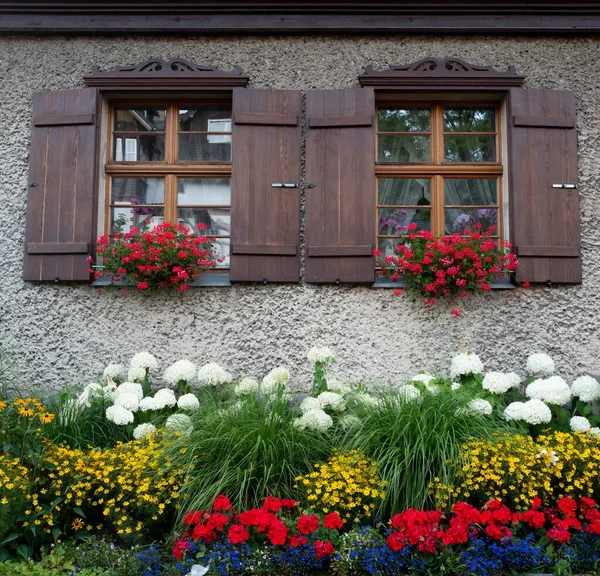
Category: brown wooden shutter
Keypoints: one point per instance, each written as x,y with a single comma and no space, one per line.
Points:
62,180
543,158
340,163
265,220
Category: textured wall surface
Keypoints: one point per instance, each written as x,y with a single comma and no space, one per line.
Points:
65,334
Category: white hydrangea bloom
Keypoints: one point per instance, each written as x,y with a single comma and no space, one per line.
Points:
144,360
136,373
114,371
143,430
128,400
278,377
119,415
315,420
350,421
180,370
515,411
425,378
580,424
586,388
310,403
332,400
319,354
188,402
498,382
480,406
367,399
129,388
165,397
408,393
336,385
212,374
455,386
594,431
536,412
150,404
515,378
540,365
553,390
464,364
246,387
179,423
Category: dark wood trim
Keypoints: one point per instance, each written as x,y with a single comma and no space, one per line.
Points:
541,122
341,122
337,251
548,251
265,249
266,119
157,74
64,120
55,248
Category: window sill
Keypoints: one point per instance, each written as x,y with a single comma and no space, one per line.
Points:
206,280
383,282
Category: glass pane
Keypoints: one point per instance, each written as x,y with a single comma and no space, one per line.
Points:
470,191
203,191
405,119
403,149
470,148
457,219
221,252
126,217
138,191
140,119
205,148
403,192
387,246
469,119
150,148
205,119
391,219
217,220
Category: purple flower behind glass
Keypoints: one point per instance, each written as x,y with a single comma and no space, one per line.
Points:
461,222
141,211
489,214
395,220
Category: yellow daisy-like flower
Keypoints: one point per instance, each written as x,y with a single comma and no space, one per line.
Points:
77,524
46,417
2,405
26,412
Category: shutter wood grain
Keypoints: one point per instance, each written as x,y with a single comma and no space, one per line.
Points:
340,162
265,231
544,220
61,207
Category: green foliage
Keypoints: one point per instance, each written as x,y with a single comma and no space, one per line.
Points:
98,556
60,561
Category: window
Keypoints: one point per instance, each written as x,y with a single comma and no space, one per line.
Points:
170,161
439,166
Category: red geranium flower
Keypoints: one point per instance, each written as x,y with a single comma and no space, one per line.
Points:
307,524
222,503
238,534
333,521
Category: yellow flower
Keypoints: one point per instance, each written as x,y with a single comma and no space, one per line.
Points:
2,405
77,524
46,417
26,412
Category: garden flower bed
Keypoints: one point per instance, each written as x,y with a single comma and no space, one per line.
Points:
196,472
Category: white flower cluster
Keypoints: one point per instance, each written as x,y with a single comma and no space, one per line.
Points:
464,364
320,354
179,423
540,365
188,403
165,397
550,458
336,385
95,390
314,420
332,400
136,373
143,430
586,388
368,399
426,379
553,390
479,406
246,387
499,382
119,415
144,360
182,370
533,412
580,424
313,411
114,371
213,375
275,379
409,393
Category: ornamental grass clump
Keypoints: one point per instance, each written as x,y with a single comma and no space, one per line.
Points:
167,256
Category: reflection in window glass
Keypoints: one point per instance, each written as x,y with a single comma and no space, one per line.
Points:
143,119
406,119
469,119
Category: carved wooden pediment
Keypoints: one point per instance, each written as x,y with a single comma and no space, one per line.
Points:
158,74
447,72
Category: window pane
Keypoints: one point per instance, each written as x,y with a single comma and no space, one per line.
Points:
387,246
403,149
403,191
150,148
138,191
140,119
205,148
393,221
221,252
217,220
470,191
405,119
469,119
205,119
470,148
457,219
203,191
126,217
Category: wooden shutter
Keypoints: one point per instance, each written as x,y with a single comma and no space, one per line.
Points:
543,156
62,179
340,163
265,220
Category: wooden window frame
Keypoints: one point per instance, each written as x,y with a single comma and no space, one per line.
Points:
437,170
171,169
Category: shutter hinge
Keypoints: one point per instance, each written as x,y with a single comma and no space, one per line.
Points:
284,185
566,186
33,184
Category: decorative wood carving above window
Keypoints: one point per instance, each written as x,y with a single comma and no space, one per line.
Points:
431,73
175,74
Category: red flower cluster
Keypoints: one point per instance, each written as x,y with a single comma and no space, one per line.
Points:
448,266
168,256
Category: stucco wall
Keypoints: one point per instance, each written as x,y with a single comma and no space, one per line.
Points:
66,334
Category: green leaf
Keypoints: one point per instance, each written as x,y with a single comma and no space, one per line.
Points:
79,511
24,551
10,538
56,532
